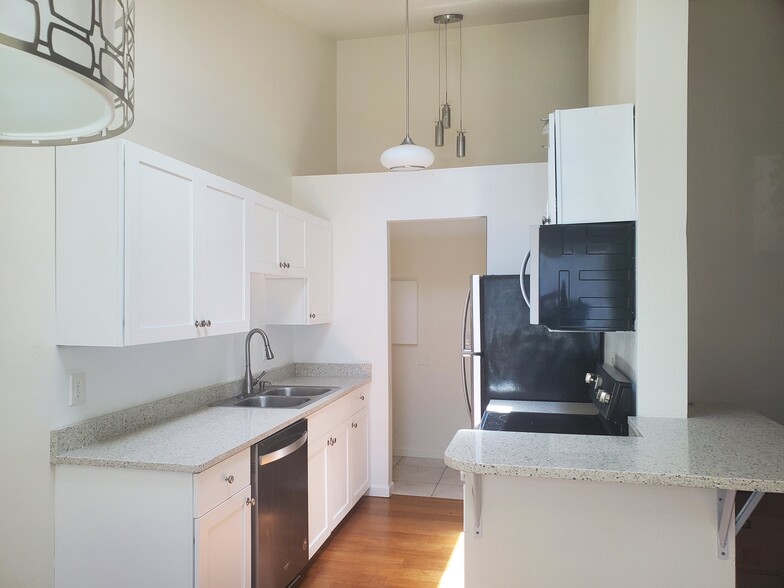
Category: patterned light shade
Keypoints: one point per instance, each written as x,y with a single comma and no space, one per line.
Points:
66,70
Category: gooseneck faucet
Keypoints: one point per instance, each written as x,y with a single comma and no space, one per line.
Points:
249,382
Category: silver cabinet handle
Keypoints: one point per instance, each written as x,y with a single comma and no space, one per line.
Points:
209,323
353,425
280,264
202,323
287,264
196,324
250,501
362,397
312,315
229,479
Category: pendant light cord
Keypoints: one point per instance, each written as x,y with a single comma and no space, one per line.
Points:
407,71
460,84
446,63
438,102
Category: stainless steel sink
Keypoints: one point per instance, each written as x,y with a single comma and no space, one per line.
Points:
306,391
280,397
271,402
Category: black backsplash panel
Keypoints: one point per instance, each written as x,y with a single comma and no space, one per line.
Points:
521,361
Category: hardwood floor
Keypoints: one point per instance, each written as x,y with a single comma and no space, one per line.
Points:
402,541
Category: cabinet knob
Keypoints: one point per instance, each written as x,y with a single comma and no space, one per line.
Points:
230,479
202,323
362,397
209,323
196,324
287,264
280,264
312,315
353,425
250,501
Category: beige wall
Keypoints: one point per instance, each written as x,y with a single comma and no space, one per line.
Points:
426,385
736,203
658,71
513,75
231,91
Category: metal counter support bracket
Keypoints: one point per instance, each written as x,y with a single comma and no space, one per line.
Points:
725,501
747,509
476,490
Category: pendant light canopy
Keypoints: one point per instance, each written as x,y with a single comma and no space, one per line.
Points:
407,156
66,70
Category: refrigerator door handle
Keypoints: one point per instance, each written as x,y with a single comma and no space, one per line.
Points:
465,322
526,296
465,389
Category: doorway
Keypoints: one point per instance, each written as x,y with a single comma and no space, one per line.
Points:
430,264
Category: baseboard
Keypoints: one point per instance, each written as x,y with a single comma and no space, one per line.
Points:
413,452
382,491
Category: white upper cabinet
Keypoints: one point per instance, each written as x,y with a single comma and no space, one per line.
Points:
149,248
263,237
318,248
292,242
294,301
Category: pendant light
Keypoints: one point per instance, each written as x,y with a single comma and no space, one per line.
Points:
66,70
461,142
407,156
445,110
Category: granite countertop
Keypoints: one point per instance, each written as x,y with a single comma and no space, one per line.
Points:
194,441
718,446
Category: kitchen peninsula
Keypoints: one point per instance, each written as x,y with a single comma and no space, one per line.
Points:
646,510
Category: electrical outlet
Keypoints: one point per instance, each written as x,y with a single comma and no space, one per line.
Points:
78,389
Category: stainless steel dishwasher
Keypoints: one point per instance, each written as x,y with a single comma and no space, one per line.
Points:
279,479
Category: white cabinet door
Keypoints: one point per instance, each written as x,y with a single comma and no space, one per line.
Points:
222,544
338,485
318,240
222,278
292,243
160,247
264,256
359,467
318,517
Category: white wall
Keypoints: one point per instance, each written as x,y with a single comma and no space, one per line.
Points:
659,75
736,203
440,256
513,75
512,197
232,87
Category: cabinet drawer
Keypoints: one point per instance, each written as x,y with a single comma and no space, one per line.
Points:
329,417
359,399
220,482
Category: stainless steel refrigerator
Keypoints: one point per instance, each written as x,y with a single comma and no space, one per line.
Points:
507,358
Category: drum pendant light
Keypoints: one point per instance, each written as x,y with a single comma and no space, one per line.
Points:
407,156
66,70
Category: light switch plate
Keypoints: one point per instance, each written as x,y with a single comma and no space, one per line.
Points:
78,389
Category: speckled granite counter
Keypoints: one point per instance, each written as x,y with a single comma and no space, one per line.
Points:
718,446
203,436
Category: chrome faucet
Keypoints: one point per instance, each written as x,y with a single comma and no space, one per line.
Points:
249,382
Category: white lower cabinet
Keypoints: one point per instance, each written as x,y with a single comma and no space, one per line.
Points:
337,463
127,528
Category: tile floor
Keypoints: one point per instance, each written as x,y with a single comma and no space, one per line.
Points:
420,476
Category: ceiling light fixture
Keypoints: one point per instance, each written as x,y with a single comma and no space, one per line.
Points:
66,70
407,156
445,110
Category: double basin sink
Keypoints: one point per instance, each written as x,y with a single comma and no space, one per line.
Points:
280,397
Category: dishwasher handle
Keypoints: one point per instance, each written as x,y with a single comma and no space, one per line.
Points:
272,456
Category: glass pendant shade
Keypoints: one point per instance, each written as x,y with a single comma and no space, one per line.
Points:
407,157
439,133
461,144
66,71
446,115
